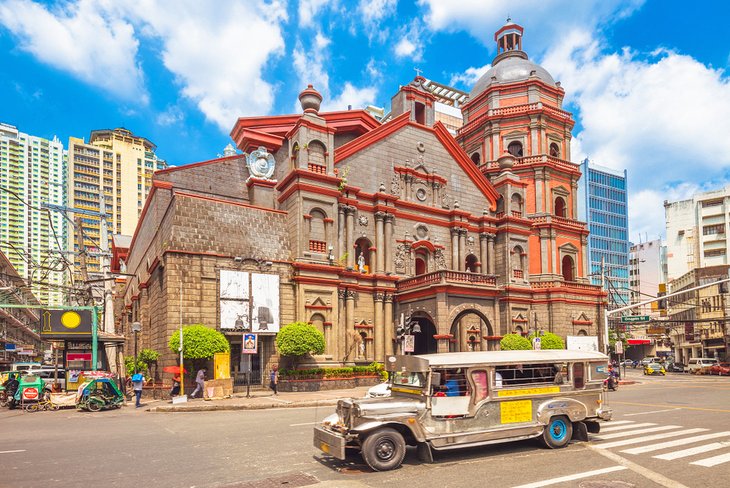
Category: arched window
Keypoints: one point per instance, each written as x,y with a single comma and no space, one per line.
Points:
516,205
295,153
517,258
420,113
519,330
554,150
515,149
317,231
317,152
476,159
421,262
362,255
560,207
471,263
568,268
582,332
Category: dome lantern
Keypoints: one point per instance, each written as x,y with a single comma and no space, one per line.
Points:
509,37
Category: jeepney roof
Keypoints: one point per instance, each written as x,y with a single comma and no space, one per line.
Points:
509,357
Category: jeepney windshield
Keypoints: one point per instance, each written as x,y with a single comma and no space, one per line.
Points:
409,378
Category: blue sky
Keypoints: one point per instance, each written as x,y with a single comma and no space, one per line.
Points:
647,80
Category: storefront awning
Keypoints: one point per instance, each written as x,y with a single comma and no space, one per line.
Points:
639,342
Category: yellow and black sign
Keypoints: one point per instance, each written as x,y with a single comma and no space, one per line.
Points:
61,324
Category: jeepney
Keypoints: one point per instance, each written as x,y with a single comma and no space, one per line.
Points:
465,399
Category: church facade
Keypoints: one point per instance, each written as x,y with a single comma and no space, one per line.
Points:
368,229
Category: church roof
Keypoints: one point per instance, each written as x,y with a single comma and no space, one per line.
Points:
509,69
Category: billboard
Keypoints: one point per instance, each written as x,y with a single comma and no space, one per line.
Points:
65,324
265,292
250,297
234,299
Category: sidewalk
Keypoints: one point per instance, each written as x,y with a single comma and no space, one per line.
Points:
260,399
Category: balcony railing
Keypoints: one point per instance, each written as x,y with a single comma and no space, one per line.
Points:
317,168
565,284
446,276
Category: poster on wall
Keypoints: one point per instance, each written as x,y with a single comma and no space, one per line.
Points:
582,343
265,292
234,284
232,310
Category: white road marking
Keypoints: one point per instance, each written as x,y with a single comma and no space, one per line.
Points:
692,451
625,427
626,442
619,422
572,477
680,442
9,452
638,432
299,425
653,411
713,461
638,469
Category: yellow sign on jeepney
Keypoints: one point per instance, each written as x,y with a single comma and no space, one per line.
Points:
517,411
529,391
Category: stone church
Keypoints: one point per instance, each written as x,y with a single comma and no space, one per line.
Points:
359,227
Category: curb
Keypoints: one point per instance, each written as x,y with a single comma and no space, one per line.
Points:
259,406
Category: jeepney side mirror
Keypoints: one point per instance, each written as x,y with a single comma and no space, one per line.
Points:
435,379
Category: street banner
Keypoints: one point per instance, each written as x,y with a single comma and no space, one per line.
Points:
250,343
409,343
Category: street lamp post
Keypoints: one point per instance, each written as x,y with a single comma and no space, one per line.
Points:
244,364
136,328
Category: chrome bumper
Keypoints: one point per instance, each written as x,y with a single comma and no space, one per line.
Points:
329,442
606,414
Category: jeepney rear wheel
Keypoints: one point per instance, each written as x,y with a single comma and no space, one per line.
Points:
557,432
384,449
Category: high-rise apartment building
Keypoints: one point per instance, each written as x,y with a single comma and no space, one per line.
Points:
603,205
119,164
645,272
697,232
33,173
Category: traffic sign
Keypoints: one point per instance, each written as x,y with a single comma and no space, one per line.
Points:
619,346
633,319
536,343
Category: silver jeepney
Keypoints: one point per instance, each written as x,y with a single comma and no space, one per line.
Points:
465,399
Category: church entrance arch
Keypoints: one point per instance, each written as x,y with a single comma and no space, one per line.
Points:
468,329
425,343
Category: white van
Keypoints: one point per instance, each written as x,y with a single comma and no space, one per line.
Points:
48,375
697,364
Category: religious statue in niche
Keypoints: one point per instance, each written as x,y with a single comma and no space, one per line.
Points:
395,185
440,259
361,262
362,349
400,258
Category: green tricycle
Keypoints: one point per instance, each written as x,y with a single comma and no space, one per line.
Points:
99,394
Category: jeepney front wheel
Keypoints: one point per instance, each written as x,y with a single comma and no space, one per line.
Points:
384,449
557,432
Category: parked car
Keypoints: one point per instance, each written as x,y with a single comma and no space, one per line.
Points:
675,367
49,375
721,369
654,368
627,362
649,360
381,390
700,365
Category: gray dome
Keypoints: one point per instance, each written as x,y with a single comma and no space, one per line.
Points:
513,67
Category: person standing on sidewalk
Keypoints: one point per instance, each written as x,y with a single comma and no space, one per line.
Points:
137,384
274,379
199,383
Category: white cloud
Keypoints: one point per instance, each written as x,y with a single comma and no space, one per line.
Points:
320,41
404,48
376,10
171,116
81,38
308,10
662,116
470,76
351,97
411,41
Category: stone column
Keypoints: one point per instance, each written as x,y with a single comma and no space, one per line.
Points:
350,235
574,198
483,256
539,190
379,242
388,244
490,253
586,261
379,336
341,335
544,251
553,252
340,232
350,324
455,248
388,323
462,249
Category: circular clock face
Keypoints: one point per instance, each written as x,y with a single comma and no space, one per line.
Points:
261,164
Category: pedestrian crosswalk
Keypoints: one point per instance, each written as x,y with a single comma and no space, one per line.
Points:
665,442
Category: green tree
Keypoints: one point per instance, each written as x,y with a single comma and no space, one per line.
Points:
299,338
548,340
144,359
512,342
199,342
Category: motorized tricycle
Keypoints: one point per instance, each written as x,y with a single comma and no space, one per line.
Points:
99,394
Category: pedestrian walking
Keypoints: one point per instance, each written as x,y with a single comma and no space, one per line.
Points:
274,379
199,383
175,390
137,384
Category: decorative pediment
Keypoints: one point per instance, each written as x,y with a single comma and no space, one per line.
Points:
582,319
568,248
561,190
519,318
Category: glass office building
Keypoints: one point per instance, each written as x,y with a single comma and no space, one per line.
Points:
603,206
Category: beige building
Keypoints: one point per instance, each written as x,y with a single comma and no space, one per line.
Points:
121,165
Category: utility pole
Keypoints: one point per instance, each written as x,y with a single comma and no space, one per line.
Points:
608,301
82,255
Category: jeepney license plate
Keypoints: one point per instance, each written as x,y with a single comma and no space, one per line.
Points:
329,443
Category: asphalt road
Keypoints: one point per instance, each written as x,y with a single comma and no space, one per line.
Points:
657,422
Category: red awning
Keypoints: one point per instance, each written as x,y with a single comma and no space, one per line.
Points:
639,342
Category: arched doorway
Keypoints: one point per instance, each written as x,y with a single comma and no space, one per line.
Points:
467,331
421,262
362,255
425,343
568,269
471,263
560,209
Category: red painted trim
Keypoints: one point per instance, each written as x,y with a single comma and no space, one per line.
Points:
423,243
154,265
443,336
418,174
366,140
228,202
582,322
306,187
493,338
305,174
364,326
316,267
199,253
507,27
195,165
449,288
251,139
302,122
252,180
318,307
165,185
328,220
143,285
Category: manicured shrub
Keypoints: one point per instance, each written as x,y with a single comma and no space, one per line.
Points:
513,342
